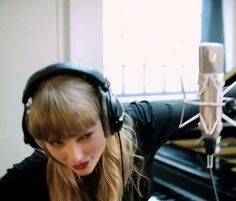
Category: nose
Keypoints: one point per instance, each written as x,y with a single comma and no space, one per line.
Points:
74,152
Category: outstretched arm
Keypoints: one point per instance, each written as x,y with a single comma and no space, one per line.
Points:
157,122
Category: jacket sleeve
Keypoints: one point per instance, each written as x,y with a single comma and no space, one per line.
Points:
157,122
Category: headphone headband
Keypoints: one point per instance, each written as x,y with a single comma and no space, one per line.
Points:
89,74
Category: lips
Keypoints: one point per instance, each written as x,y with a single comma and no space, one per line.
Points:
81,166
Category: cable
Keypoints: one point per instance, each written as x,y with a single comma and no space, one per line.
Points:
122,163
211,177
210,148
213,185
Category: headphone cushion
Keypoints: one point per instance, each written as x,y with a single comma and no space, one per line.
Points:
115,112
105,119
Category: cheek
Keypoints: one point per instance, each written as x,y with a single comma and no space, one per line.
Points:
98,144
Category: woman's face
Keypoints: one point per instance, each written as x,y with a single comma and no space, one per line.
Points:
82,152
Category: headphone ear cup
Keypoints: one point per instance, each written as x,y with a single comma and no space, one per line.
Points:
115,112
112,114
28,139
104,114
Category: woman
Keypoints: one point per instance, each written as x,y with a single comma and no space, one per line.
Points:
87,146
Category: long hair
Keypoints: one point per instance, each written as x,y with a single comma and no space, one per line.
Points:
62,104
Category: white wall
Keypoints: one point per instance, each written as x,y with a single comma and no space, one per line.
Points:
86,32
27,41
35,33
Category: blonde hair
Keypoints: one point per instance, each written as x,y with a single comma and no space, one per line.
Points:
64,103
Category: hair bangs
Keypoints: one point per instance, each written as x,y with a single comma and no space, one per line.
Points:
56,115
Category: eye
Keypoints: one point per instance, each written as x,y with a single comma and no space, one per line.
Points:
57,143
86,136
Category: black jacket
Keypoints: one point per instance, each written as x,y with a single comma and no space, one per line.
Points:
155,123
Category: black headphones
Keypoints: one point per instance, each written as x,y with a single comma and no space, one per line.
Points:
113,108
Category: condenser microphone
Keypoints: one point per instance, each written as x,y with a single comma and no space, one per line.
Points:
211,84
